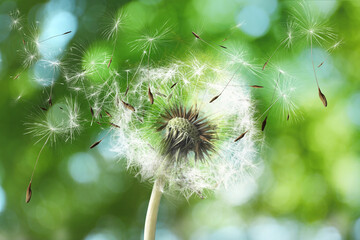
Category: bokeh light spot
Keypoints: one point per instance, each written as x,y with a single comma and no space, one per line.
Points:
2,199
83,168
254,21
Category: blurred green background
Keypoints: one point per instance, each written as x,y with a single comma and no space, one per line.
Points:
309,186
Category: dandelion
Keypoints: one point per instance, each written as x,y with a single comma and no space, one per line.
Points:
183,143
315,30
62,120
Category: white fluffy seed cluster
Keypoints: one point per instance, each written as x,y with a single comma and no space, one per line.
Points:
232,113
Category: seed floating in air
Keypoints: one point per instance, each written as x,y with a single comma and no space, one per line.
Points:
321,64
222,46
109,62
92,111
288,116
256,86
264,124
214,98
151,97
173,85
265,65
50,101
197,36
240,137
114,125
323,98
126,92
28,193
95,144
107,113
44,109
128,106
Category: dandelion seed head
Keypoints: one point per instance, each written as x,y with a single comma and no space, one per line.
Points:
140,143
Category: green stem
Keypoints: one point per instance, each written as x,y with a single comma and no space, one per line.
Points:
152,211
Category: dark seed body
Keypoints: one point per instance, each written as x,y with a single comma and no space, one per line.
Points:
28,193
240,137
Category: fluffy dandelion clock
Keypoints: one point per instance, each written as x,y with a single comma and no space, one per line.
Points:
172,135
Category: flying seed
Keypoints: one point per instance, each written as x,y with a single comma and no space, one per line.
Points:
114,125
151,97
109,62
28,193
50,101
67,33
288,116
17,76
107,113
92,111
126,92
214,98
197,36
160,94
98,123
323,98
128,106
256,86
173,85
95,144
321,64
264,124
265,65
240,137
222,46
44,109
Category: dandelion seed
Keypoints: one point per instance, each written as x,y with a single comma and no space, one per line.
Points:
173,85
151,97
50,101
108,114
330,50
264,123
109,62
128,106
286,41
55,36
95,144
28,193
256,86
241,136
322,97
288,116
114,125
197,36
227,84
214,98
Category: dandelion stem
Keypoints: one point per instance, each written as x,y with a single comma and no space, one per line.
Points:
152,211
